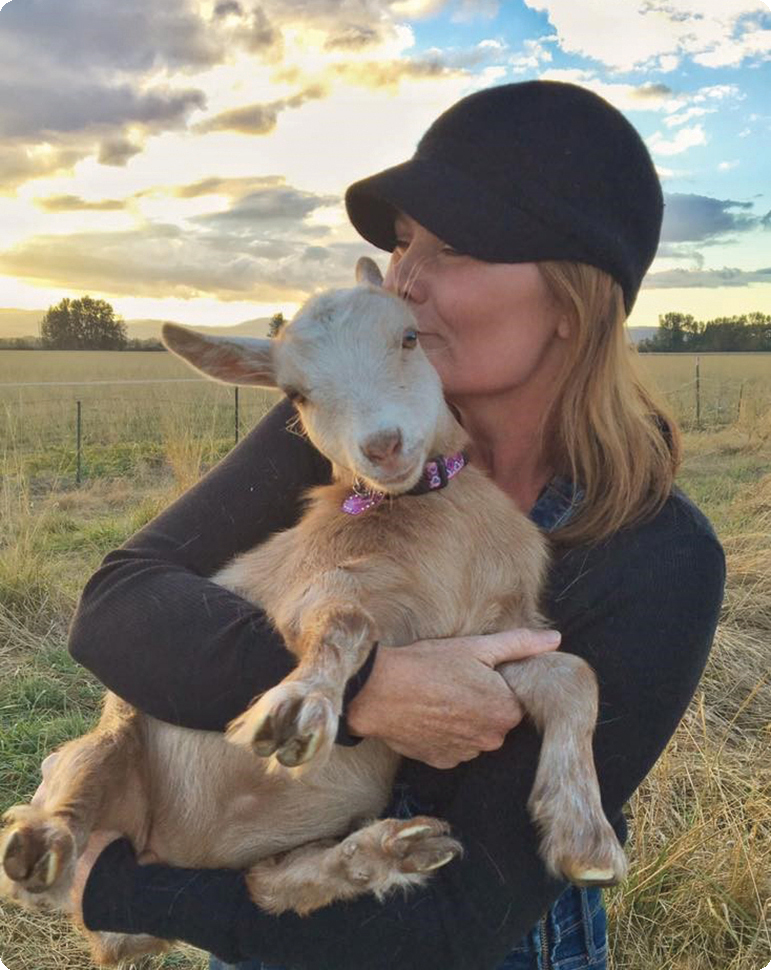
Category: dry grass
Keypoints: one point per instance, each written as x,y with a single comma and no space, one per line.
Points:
699,894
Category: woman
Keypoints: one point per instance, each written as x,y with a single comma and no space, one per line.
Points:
520,233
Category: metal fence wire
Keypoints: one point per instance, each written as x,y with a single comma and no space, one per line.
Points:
74,423
68,423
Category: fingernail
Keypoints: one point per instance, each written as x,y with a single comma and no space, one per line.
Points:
550,637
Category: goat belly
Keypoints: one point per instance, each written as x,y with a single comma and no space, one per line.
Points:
216,805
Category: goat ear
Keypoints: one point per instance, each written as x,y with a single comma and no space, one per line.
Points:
231,360
367,271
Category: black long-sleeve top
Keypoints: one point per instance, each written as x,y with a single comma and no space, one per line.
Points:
641,608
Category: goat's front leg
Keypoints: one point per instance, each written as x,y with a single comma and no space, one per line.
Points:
559,692
377,858
297,720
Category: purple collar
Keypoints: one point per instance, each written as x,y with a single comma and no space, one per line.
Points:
436,474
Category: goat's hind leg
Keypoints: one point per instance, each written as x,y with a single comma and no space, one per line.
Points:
297,720
559,692
384,855
40,843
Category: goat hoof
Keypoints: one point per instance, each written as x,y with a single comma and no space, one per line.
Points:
393,853
593,877
605,866
421,844
35,853
292,721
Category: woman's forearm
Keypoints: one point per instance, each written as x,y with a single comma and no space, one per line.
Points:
645,621
155,630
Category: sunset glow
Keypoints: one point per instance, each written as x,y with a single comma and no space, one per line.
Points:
187,160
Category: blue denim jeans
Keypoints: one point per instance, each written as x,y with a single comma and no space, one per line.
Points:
571,936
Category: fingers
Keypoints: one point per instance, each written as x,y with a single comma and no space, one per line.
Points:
497,648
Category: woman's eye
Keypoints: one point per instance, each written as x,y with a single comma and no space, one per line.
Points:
410,339
449,251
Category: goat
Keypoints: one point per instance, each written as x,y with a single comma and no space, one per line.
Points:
333,585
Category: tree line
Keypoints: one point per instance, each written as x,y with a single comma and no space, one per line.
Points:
89,324
682,333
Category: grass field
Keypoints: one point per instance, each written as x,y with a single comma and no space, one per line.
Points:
699,893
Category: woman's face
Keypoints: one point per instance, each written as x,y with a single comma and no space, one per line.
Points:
488,328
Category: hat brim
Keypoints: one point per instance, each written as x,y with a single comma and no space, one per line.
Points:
456,208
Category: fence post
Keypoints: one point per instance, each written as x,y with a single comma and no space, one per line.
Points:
698,396
78,434
236,414
739,405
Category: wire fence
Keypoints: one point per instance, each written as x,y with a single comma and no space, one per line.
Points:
98,427
86,429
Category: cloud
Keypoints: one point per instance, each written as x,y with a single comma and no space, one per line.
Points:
165,261
117,151
682,117
689,278
133,38
353,37
653,90
73,203
534,53
657,34
274,205
18,165
228,7
235,187
684,139
259,119
697,218
36,110
625,96
389,74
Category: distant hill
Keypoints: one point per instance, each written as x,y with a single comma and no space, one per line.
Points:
24,323
144,329
20,323
637,334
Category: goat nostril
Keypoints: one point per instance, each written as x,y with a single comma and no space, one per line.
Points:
380,447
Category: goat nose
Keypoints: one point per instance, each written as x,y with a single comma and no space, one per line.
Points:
382,446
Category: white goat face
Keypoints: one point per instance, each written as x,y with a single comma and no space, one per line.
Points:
367,395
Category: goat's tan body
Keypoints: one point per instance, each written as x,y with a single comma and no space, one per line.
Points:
212,803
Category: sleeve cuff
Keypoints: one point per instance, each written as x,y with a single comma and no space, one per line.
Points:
199,906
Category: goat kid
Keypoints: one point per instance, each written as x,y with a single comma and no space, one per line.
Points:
333,585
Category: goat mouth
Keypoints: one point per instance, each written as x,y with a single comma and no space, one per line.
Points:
401,482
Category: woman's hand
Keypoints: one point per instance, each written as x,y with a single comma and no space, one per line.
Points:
441,701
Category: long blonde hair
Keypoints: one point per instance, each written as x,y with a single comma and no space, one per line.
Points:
605,429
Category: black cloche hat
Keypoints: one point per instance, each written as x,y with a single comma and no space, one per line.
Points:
539,170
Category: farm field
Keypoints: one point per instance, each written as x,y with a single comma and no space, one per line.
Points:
699,892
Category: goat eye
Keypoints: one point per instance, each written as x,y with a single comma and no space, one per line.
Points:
410,339
294,395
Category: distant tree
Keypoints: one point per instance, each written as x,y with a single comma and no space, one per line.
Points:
144,343
84,324
277,321
681,332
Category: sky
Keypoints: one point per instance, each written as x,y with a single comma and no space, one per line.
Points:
187,159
